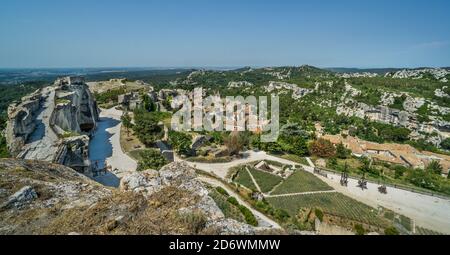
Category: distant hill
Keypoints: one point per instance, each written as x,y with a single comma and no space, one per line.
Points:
361,70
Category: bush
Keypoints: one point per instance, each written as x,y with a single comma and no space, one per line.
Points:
342,152
233,200
248,215
181,142
434,167
222,191
322,148
146,127
391,231
194,221
446,144
359,229
151,159
319,214
281,215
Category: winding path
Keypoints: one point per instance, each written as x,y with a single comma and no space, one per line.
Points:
105,147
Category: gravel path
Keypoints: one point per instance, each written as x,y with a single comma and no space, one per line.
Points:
105,147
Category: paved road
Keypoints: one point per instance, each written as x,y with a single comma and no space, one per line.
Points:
105,147
42,143
263,220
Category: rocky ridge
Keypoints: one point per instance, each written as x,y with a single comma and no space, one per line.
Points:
45,198
54,123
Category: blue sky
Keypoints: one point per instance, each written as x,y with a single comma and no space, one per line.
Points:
133,33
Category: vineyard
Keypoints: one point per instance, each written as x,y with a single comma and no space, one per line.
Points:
424,231
244,179
265,180
330,203
301,181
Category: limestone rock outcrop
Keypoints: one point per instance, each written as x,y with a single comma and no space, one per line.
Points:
181,176
45,198
54,123
75,107
21,121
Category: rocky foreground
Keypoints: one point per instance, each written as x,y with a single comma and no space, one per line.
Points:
44,198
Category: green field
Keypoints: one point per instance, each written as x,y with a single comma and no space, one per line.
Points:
331,203
265,180
244,179
301,181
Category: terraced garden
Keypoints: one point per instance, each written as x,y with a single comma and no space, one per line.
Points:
244,179
331,203
266,181
301,181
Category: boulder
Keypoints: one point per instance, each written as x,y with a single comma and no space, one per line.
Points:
21,198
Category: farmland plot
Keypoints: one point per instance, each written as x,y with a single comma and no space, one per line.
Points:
266,181
299,182
331,203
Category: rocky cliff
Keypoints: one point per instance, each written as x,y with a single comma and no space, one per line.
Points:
21,122
54,124
44,198
75,110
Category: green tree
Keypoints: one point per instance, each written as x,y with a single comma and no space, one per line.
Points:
342,152
391,231
147,103
146,127
446,144
126,122
151,159
181,142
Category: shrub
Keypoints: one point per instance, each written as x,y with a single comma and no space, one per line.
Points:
233,200
319,214
151,159
359,229
195,221
248,215
434,167
391,231
342,152
446,144
222,191
322,148
146,127
281,215
181,142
